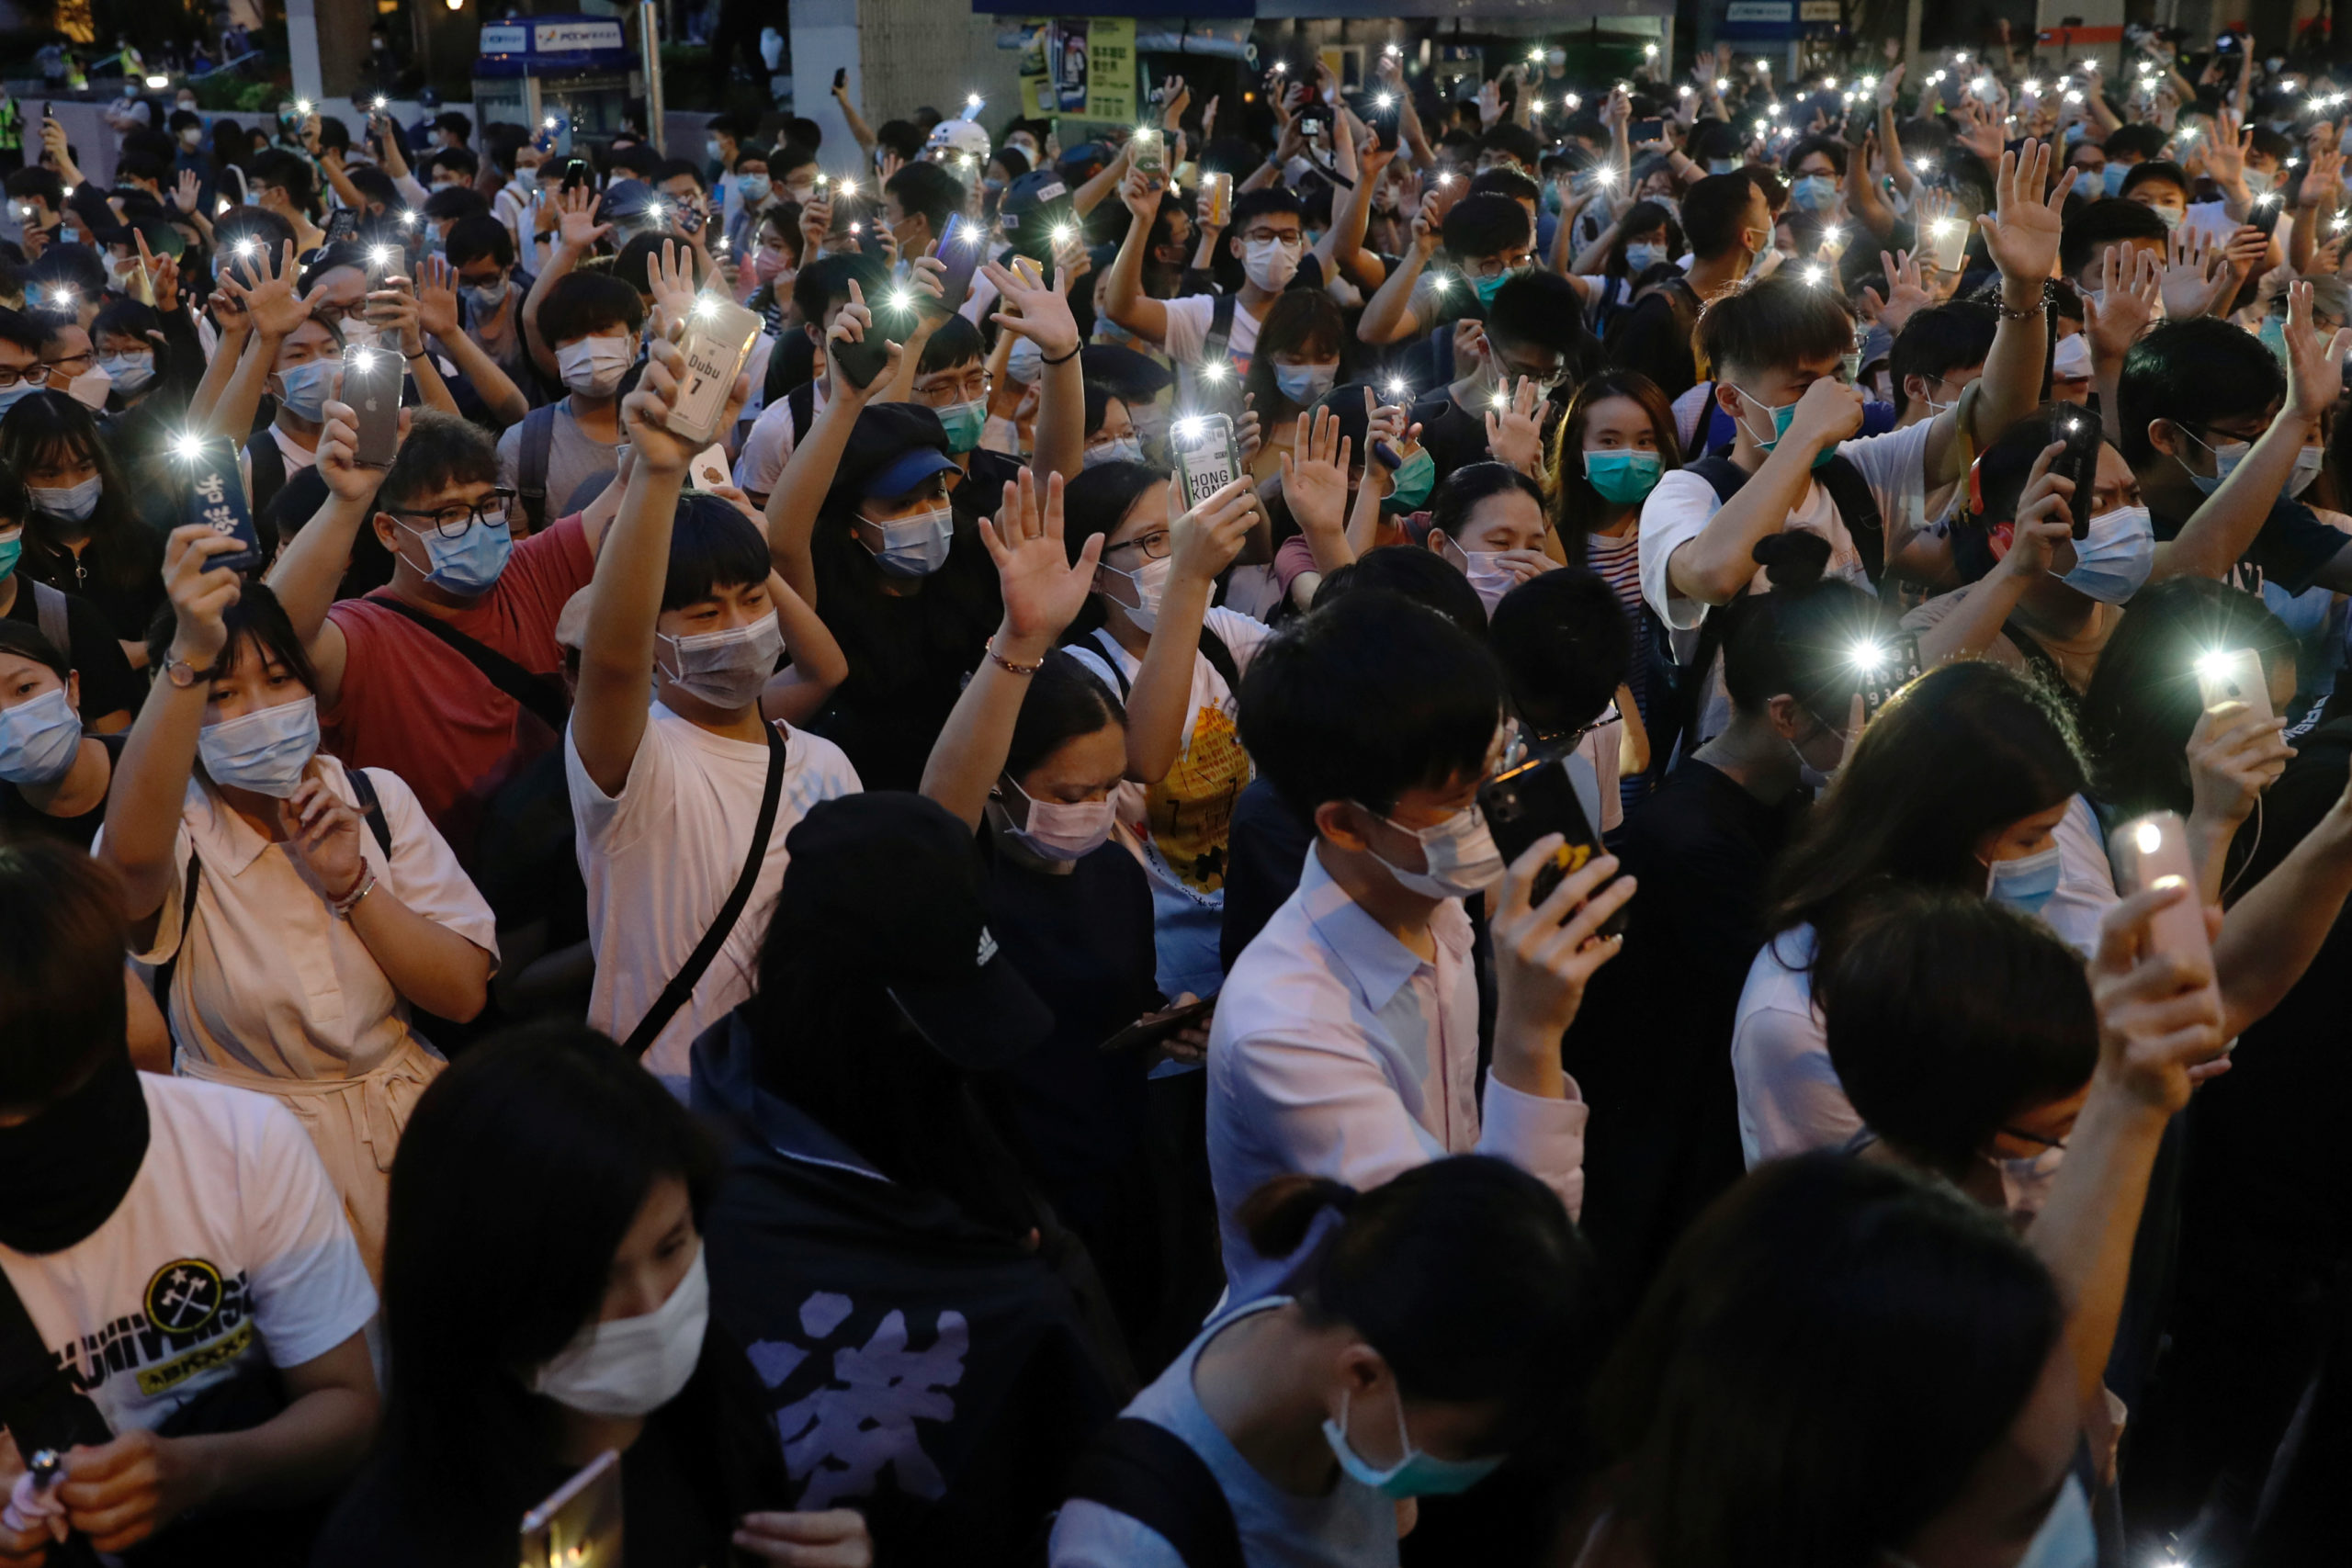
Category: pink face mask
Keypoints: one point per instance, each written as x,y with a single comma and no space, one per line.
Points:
1056,830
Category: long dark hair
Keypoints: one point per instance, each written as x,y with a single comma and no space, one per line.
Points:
519,1173
1816,1308
122,553
1065,700
1964,750
1096,501
1798,640
1577,508
2143,699
1301,318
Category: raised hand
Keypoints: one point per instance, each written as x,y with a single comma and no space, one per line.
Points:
2234,754
1043,588
1038,312
2159,1014
271,303
436,298
1174,98
2226,148
850,324
1314,473
1906,290
644,412
200,597
187,191
338,462
1544,953
2044,517
2195,271
1204,540
2022,232
576,226
671,278
1139,193
392,308
1515,431
1890,86
2130,285
322,838
2322,181
2314,361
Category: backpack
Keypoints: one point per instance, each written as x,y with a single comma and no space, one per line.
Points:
535,443
1218,347
1148,1472
1857,509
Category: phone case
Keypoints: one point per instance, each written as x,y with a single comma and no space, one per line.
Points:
371,385
708,468
579,1525
1522,804
860,362
719,335
1897,667
1217,200
2079,462
961,249
2152,851
215,498
1206,455
1151,153
1145,1033
2234,675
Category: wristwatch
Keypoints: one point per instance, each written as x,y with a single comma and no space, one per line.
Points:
183,675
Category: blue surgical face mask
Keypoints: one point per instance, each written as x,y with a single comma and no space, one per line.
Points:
38,739
1305,384
1639,259
1781,421
11,551
1414,478
1722,165
2025,884
11,396
2226,458
306,388
2115,556
1127,449
264,750
1623,475
470,563
914,546
2111,178
73,503
1814,193
1417,1474
131,371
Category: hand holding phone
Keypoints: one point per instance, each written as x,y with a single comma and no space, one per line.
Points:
2152,851
1523,803
1155,1029
216,499
2078,463
1206,453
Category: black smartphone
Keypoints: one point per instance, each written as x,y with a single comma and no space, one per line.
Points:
1155,1028
860,362
1385,113
2079,462
1886,666
961,249
215,498
1537,797
343,226
841,78
1642,131
575,173
2264,219
371,385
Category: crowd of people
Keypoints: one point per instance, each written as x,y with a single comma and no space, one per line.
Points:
1435,820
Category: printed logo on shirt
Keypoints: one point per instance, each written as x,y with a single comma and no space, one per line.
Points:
192,1318
852,1409
1188,816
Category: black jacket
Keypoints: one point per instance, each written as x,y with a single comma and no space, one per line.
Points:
937,1375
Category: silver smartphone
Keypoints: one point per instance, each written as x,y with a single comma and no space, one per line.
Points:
2234,675
719,341
371,385
579,1525
2152,851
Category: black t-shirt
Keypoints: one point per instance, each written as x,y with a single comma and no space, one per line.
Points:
127,610
1665,1134
1453,436
909,654
17,816
2290,550
1265,851
1651,337
109,684
1083,941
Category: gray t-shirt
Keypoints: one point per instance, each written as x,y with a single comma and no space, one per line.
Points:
573,459
1351,1526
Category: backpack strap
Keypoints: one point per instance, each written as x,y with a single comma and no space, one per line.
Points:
801,403
1148,1472
39,1406
162,982
56,621
533,447
267,461
1857,510
681,984
1219,344
536,693
1221,659
371,808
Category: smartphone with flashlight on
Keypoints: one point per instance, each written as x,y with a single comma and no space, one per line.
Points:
1151,153
215,498
2152,851
1522,804
1206,455
2234,675
2079,463
1887,666
960,249
720,337
579,1525
371,385
2264,219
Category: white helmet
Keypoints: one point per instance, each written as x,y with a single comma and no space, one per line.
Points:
953,141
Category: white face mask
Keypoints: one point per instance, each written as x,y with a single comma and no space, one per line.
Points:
2307,467
2026,1183
1150,581
1056,830
1270,264
1127,449
725,669
1459,852
593,366
633,1366
90,387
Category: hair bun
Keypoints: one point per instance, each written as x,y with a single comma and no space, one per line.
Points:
1792,559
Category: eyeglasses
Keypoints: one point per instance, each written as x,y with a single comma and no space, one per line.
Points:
452,521
1291,241
30,376
1498,266
73,364
970,388
1154,544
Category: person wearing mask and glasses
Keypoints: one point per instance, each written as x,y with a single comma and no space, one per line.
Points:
1268,237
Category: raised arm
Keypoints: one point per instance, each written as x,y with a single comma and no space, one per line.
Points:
1122,294
1720,560
436,304
151,776
1388,316
1969,630
1201,543
2021,236
1043,592
2127,295
311,566
1040,312
275,311
860,132
577,232
800,490
609,713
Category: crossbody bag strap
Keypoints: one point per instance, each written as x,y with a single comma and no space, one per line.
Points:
536,693
681,984
363,789
39,1407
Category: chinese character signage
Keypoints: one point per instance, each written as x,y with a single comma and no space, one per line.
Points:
1083,67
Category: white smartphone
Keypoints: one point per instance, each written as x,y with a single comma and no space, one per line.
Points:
709,470
579,1525
2234,675
720,337
1206,453
1947,239
2152,851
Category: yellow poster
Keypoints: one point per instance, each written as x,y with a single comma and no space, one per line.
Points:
1083,67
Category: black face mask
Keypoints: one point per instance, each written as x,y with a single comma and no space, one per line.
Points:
64,1173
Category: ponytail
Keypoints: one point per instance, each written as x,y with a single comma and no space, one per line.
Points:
1278,1216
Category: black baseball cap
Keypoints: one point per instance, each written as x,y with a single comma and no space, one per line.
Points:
892,448
886,888
1032,207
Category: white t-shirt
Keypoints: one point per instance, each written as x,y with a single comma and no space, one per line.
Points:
1894,465
1790,1099
1179,827
769,445
661,857
1187,340
230,1246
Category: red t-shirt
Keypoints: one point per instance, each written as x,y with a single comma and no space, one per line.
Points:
415,706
